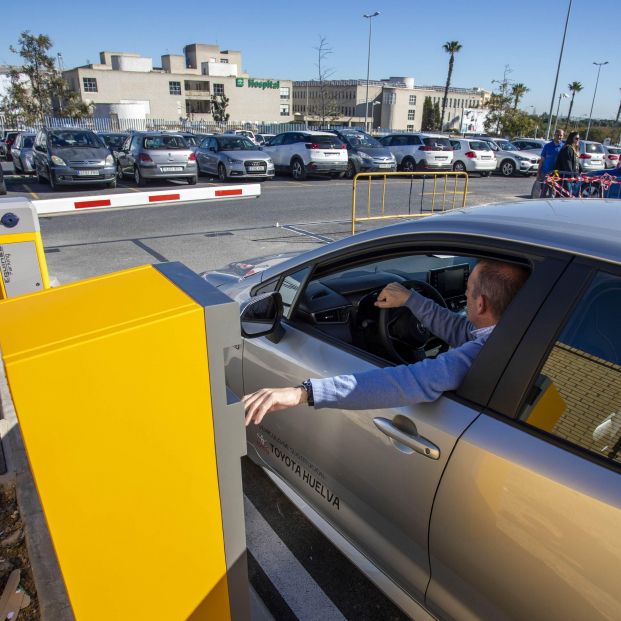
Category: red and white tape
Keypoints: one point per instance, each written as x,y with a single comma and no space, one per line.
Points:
557,183
138,199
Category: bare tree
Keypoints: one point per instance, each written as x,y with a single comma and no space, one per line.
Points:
326,108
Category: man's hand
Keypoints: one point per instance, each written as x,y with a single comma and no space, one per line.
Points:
393,296
267,400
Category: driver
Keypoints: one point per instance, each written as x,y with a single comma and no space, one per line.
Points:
491,287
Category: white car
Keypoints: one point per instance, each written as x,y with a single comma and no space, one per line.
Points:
473,155
243,132
420,151
302,153
261,139
510,160
613,156
592,156
532,145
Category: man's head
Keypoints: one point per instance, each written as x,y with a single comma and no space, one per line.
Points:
558,135
491,287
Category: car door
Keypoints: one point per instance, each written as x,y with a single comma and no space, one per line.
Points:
210,156
121,155
375,491
526,519
274,150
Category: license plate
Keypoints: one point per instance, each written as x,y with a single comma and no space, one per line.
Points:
331,153
385,166
88,173
256,167
486,157
171,168
442,157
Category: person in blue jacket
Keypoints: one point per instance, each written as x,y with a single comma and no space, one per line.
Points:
491,287
547,161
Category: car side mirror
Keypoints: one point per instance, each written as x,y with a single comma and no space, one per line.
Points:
261,315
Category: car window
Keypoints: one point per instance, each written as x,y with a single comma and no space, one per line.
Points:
326,141
479,145
27,142
577,396
289,289
505,145
439,144
456,145
290,138
276,140
360,139
236,143
75,139
593,147
166,143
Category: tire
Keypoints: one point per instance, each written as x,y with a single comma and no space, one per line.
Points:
192,180
119,173
459,166
138,178
111,184
487,173
222,176
408,164
350,173
298,170
507,168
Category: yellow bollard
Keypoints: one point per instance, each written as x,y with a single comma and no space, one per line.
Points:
118,384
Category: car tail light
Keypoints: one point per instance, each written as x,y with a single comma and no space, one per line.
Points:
343,146
312,145
613,157
585,156
425,148
470,154
192,157
145,157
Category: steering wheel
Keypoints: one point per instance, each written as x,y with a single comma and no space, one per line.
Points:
401,333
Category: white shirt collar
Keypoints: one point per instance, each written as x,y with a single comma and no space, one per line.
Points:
482,331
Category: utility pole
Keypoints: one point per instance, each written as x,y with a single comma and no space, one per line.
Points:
599,68
366,107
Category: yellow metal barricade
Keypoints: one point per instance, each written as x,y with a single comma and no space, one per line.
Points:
442,196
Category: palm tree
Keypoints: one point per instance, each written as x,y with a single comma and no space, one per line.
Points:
574,87
518,91
450,47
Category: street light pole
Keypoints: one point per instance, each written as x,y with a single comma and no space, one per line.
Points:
599,68
558,68
366,106
560,96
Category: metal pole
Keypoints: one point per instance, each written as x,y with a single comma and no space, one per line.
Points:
366,104
599,68
560,96
558,68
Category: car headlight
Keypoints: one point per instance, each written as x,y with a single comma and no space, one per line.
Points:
58,161
269,162
234,161
109,161
365,156
520,158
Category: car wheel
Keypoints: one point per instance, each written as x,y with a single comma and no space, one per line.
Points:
298,170
119,173
459,166
192,180
138,178
350,173
408,165
222,172
487,173
112,184
507,168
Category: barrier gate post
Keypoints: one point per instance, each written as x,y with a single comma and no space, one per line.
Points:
22,259
133,442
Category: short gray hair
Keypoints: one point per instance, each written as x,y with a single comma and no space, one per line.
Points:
499,282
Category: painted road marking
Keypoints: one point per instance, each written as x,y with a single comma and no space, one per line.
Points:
300,231
33,194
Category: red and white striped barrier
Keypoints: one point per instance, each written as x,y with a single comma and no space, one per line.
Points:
137,199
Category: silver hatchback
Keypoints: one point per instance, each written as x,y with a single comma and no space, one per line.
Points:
154,155
231,156
22,153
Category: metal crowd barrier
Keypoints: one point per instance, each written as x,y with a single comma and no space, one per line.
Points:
434,192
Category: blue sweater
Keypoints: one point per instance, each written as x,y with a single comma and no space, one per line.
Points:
412,383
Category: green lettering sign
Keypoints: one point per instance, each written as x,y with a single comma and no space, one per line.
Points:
239,81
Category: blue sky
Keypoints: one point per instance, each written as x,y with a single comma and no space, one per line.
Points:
277,39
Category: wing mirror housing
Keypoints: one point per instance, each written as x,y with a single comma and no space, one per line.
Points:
261,315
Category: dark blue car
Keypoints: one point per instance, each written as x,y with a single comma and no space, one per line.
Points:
595,188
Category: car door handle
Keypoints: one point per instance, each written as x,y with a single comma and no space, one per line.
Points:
415,442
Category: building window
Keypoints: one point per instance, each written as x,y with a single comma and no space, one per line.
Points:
218,89
174,88
90,85
411,115
285,92
224,61
284,109
410,128
390,99
197,106
412,100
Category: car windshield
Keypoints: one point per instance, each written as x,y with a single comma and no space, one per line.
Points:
593,147
359,139
238,143
439,144
27,142
478,145
505,145
113,140
75,139
155,143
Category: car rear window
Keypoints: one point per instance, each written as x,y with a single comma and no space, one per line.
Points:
360,139
27,142
593,147
440,144
154,143
478,145
614,150
505,145
328,142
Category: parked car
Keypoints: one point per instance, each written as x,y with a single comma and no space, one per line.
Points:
72,157
242,132
22,153
261,139
532,145
511,484
365,153
613,156
510,160
194,140
592,155
113,140
473,156
594,188
233,156
7,143
420,151
302,153
2,182
156,155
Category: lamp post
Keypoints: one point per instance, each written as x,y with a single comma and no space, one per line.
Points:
558,68
366,107
560,96
599,68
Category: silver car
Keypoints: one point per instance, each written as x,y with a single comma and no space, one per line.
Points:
231,156
22,153
499,501
510,160
156,155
